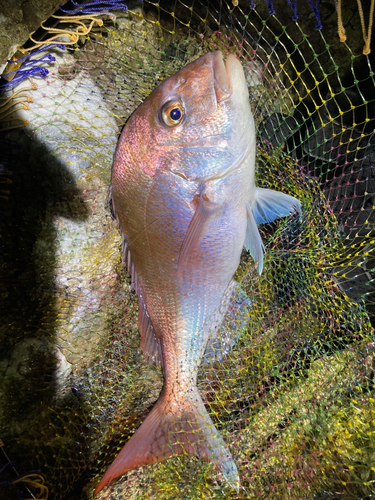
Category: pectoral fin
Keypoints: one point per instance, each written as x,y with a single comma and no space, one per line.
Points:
266,207
205,213
269,204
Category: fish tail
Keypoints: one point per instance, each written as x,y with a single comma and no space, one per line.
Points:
166,432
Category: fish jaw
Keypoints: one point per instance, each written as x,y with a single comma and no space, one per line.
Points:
221,78
229,78
237,82
243,140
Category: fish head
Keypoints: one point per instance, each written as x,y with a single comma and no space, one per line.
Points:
197,124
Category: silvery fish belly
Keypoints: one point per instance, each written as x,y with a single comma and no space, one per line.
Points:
184,194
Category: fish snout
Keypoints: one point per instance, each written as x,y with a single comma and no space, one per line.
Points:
237,83
221,81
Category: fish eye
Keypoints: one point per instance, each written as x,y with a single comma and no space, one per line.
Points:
172,113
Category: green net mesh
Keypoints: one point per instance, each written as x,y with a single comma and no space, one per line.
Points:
292,391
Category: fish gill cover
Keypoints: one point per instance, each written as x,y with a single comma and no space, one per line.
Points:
290,381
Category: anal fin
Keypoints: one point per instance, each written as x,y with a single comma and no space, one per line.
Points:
225,335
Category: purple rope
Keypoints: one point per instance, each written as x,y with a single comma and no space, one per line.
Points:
10,483
47,58
6,483
29,68
316,11
21,75
293,5
60,46
96,6
11,463
252,4
271,10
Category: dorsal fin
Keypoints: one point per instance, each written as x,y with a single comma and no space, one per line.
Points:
150,344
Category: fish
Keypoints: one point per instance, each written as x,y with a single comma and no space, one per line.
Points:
186,202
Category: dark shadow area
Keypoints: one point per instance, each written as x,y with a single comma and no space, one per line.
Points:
35,189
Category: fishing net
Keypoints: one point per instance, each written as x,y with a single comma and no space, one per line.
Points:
289,382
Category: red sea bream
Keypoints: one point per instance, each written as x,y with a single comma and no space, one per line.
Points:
184,193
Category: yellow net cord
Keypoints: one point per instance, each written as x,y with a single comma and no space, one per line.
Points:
81,30
8,106
35,481
31,480
366,35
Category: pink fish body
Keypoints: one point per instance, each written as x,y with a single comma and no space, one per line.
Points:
184,193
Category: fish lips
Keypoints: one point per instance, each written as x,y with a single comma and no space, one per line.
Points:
221,79
229,78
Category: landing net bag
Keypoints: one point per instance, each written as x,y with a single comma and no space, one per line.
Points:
289,383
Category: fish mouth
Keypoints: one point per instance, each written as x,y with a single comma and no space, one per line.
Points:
221,78
224,74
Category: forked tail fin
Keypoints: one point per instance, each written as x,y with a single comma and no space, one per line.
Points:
168,431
